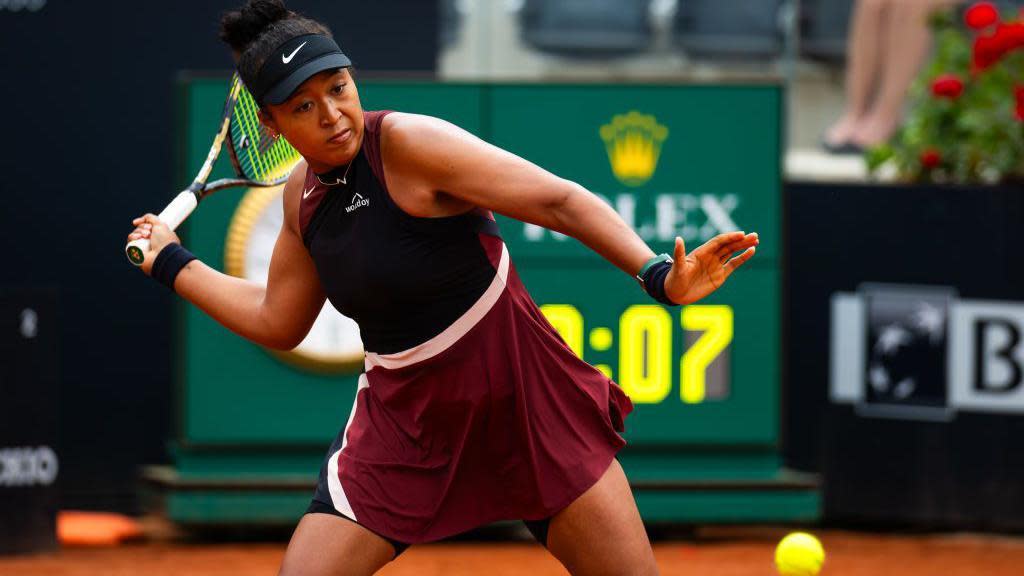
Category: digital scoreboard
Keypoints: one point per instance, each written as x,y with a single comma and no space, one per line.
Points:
690,161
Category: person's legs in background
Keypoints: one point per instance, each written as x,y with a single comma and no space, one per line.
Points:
907,39
865,45
887,44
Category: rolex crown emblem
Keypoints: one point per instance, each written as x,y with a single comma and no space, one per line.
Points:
633,141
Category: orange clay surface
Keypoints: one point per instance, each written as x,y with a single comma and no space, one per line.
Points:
708,552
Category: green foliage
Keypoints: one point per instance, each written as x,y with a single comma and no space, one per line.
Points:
978,135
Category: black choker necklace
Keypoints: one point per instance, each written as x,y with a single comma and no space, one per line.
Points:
342,180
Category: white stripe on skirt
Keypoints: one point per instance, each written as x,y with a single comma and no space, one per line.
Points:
338,497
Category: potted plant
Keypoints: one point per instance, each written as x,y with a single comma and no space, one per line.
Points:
966,119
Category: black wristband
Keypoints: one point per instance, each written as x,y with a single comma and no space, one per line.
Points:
654,282
169,262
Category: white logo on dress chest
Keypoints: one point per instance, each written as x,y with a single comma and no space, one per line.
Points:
357,202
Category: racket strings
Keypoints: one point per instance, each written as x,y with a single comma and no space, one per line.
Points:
261,157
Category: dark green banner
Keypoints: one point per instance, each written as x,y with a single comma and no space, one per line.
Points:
683,160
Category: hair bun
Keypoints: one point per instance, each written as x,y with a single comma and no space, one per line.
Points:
239,28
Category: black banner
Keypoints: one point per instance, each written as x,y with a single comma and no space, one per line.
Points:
904,320
29,467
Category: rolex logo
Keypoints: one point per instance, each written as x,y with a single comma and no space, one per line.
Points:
633,141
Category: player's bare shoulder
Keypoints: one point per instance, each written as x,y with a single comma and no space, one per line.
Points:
418,142
417,133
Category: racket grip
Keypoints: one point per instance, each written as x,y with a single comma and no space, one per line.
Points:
173,215
136,251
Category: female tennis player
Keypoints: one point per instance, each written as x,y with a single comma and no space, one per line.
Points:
471,408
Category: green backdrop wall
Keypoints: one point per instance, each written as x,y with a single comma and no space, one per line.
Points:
689,160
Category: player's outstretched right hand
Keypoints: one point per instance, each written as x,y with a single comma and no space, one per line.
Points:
159,235
699,273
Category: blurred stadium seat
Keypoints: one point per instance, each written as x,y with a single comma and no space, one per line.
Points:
747,30
823,28
450,23
587,28
1005,6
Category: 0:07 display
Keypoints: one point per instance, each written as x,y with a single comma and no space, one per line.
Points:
645,347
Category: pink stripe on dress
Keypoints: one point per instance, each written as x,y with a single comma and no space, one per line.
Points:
452,333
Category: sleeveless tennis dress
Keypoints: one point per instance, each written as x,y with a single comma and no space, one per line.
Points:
471,408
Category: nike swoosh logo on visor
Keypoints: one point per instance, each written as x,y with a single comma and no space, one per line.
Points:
288,58
306,193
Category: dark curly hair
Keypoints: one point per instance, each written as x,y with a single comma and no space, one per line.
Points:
256,29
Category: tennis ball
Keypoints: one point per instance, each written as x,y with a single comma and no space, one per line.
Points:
799,554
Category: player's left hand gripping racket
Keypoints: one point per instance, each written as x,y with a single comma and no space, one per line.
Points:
259,160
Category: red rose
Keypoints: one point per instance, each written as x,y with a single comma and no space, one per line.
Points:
1011,35
985,53
931,158
981,15
947,86
1019,93
990,48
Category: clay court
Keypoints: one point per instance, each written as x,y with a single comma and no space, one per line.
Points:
710,552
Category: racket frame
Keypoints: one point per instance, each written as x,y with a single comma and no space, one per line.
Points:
188,199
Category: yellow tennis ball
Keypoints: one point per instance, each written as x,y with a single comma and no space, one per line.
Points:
799,554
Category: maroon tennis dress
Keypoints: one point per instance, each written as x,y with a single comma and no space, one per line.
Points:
471,408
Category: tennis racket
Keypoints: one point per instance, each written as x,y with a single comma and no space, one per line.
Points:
258,158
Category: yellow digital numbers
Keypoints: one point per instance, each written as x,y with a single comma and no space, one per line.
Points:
716,323
645,347
645,353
